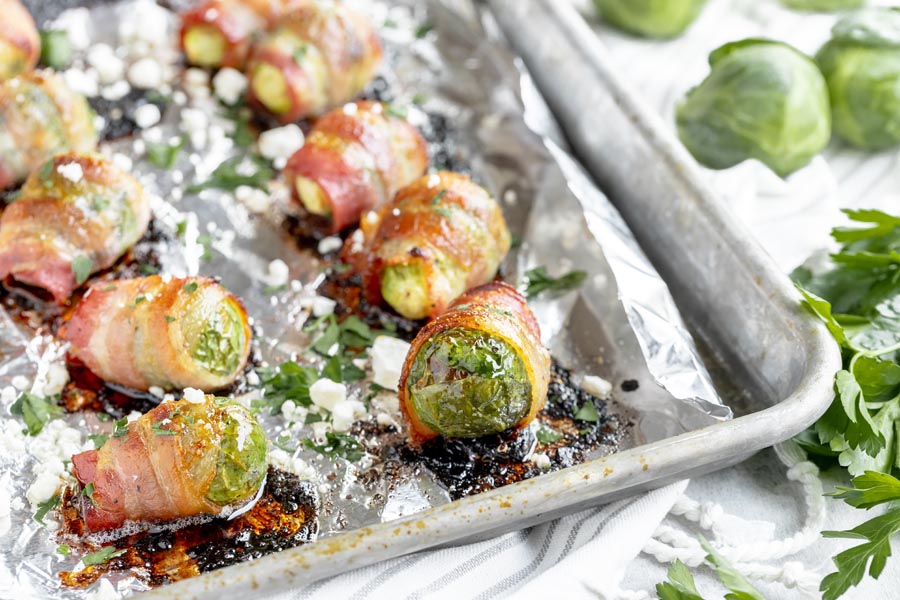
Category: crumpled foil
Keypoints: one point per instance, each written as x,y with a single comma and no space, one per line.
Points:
621,325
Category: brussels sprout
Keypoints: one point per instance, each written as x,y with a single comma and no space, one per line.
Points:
762,100
861,64
241,464
822,5
650,18
468,383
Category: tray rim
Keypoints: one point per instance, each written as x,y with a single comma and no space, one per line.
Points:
598,481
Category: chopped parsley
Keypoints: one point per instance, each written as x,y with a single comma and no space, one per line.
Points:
64,550
81,268
423,30
587,413
88,492
170,319
146,269
395,111
538,281
190,287
99,439
45,507
120,427
159,429
337,445
35,410
548,436
253,171
101,556
288,381
163,155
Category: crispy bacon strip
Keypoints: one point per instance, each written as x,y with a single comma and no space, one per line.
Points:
218,33
39,117
438,237
174,333
77,207
496,315
354,159
316,57
20,44
181,459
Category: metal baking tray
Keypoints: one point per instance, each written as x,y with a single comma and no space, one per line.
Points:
778,359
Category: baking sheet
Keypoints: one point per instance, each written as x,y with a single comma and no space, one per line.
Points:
622,324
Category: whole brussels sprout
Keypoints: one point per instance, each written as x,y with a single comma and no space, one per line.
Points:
650,18
822,5
762,99
861,64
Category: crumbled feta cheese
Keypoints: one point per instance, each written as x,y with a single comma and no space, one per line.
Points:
147,115
135,415
8,395
330,244
194,396
346,413
45,484
384,419
156,391
116,91
71,171
253,379
278,274
293,464
76,22
52,380
179,98
327,393
541,460
510,197
280,142
20,382
5,510
196,82
333,350
319,429
597,386
434,180
122,160
196,124
388,354
82,82
322,306
145,22
291,413
350,108
145,74
256,200
12,437
229,85
110,68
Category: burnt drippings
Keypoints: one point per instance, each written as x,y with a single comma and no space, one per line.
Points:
445,148
284,517
470,466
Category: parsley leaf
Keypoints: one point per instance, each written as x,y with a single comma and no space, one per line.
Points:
81,268
253,171
159,429
288,381
163,155
337,445
738,586
99,439
35,410
88,492
588,413
45,507
874,552
101,556
120,427
548,436
539,281
680,584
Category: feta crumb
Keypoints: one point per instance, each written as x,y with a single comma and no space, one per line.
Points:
194,396
330,244
71,171
196,82
147,115
8,395
280,142
229,84
116,91
156,391
179,98
135,415
346,413
541,460
20,382
320,428
145,23
122,160
322,306
333,350
109,67
278,274
510,197
327,393
81,82
388,354
76,22
291,413
350,108
53,381
293,464
597,386
384,419
145,74
256,200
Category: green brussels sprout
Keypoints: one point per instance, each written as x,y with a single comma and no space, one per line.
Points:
650,18
861,64
468,383
241,464
822,5
762,99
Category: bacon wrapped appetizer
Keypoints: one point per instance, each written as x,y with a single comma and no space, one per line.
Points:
316,57
182,459
354,159
477,369
173,334
219,33
75,215
20,44
438,237
39,117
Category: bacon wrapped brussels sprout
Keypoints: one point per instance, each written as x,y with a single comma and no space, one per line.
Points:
861,64
477,369
75,215
317,56
170,333
39,117
762,100
438,237
183,458
20,44
219,33
355,159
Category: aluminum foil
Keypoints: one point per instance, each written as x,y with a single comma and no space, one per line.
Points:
621,325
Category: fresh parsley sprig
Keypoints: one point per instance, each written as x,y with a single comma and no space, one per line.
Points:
538,281
680,583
